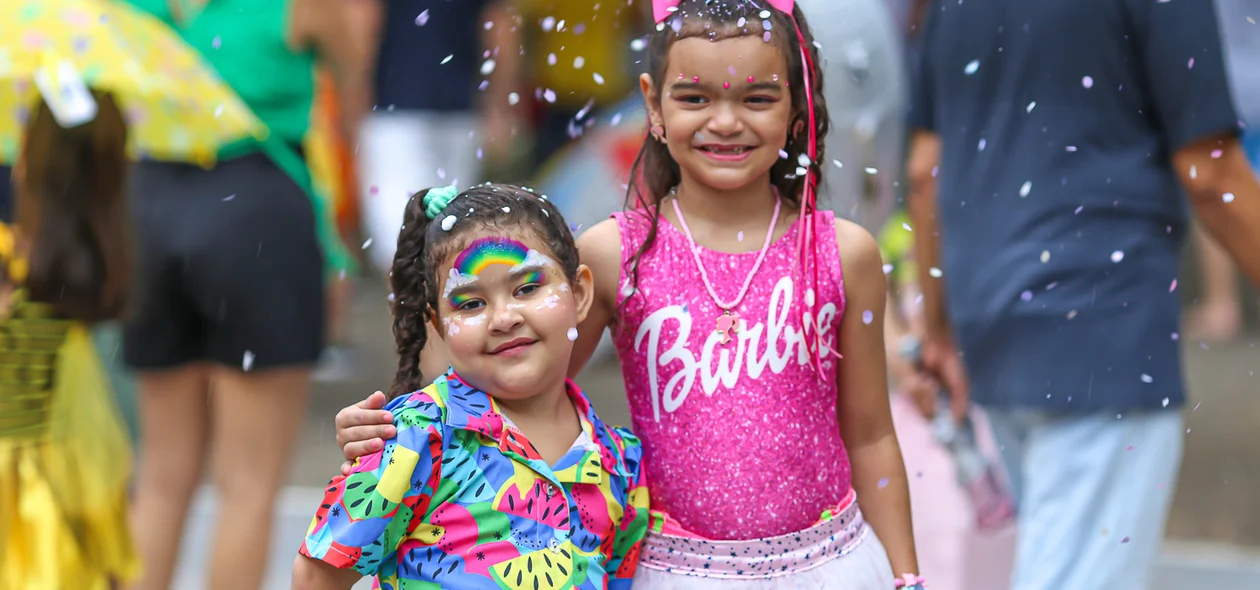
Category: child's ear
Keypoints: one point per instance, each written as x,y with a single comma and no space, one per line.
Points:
583,291
651,98
433,321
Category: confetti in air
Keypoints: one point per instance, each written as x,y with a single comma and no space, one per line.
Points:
1087,82
448,222
972,67
1117,256
247,361
935,273
1025,189
448,59
422,19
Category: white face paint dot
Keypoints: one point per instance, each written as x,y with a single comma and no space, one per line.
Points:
867,316
1025,188
573,334
448,222
972,67
1087,82
1117,256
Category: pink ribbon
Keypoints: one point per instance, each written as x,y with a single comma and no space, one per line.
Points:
661,8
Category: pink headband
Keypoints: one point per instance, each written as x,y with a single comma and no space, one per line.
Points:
661,8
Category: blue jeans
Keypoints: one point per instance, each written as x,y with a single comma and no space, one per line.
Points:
1094,492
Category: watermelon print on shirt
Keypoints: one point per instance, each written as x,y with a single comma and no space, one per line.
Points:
461,500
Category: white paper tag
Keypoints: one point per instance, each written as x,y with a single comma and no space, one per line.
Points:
66,94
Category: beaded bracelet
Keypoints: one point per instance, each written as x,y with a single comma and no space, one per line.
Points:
910,582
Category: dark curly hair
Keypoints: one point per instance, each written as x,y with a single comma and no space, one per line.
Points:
655,172
423,245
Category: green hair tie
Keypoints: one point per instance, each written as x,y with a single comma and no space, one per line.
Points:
437,199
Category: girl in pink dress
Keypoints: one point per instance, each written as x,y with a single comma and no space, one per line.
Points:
748,324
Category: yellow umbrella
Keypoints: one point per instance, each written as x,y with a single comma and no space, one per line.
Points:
176,105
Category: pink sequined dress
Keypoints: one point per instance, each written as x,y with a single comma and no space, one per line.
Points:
741,439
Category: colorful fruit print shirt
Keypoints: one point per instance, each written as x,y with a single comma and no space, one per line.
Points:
460,499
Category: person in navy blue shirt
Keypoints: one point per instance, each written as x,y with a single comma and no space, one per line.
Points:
1055,148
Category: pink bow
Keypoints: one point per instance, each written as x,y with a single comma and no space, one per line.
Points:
661,8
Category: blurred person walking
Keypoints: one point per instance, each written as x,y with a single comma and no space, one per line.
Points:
65,456
424,128
230,309
1052,146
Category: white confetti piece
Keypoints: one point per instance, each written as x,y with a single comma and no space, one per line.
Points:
883,482
507,209
1148,379
1026,296
972,67
1228,197
870,171
1025,188
367,244
573,334
803,160
837,163
868,316
598,78
1045,256
1087,82
935,273
247,361
422,19
448,59
578,62
1165,402
549,95
888,268
448,222
548,23
514,98
740,236
1070,315
1070,148
487,67
1032,105
1173,286
980,146
1117,256
783,154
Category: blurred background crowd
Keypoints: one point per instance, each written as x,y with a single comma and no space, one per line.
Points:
411,94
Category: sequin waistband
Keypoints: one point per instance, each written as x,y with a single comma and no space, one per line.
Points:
839,532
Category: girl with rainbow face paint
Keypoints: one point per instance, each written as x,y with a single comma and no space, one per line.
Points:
499,471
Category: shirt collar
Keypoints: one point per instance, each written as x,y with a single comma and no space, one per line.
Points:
471,409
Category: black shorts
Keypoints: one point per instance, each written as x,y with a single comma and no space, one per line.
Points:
229,268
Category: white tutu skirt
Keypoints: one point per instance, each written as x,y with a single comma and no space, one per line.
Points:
841,552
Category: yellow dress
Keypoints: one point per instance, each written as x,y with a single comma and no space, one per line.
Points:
65,459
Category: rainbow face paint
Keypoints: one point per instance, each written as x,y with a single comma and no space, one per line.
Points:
485,252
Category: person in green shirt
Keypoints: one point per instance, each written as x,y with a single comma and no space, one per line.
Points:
232,284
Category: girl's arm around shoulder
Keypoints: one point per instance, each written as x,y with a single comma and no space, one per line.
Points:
366,515
635,519
600,250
